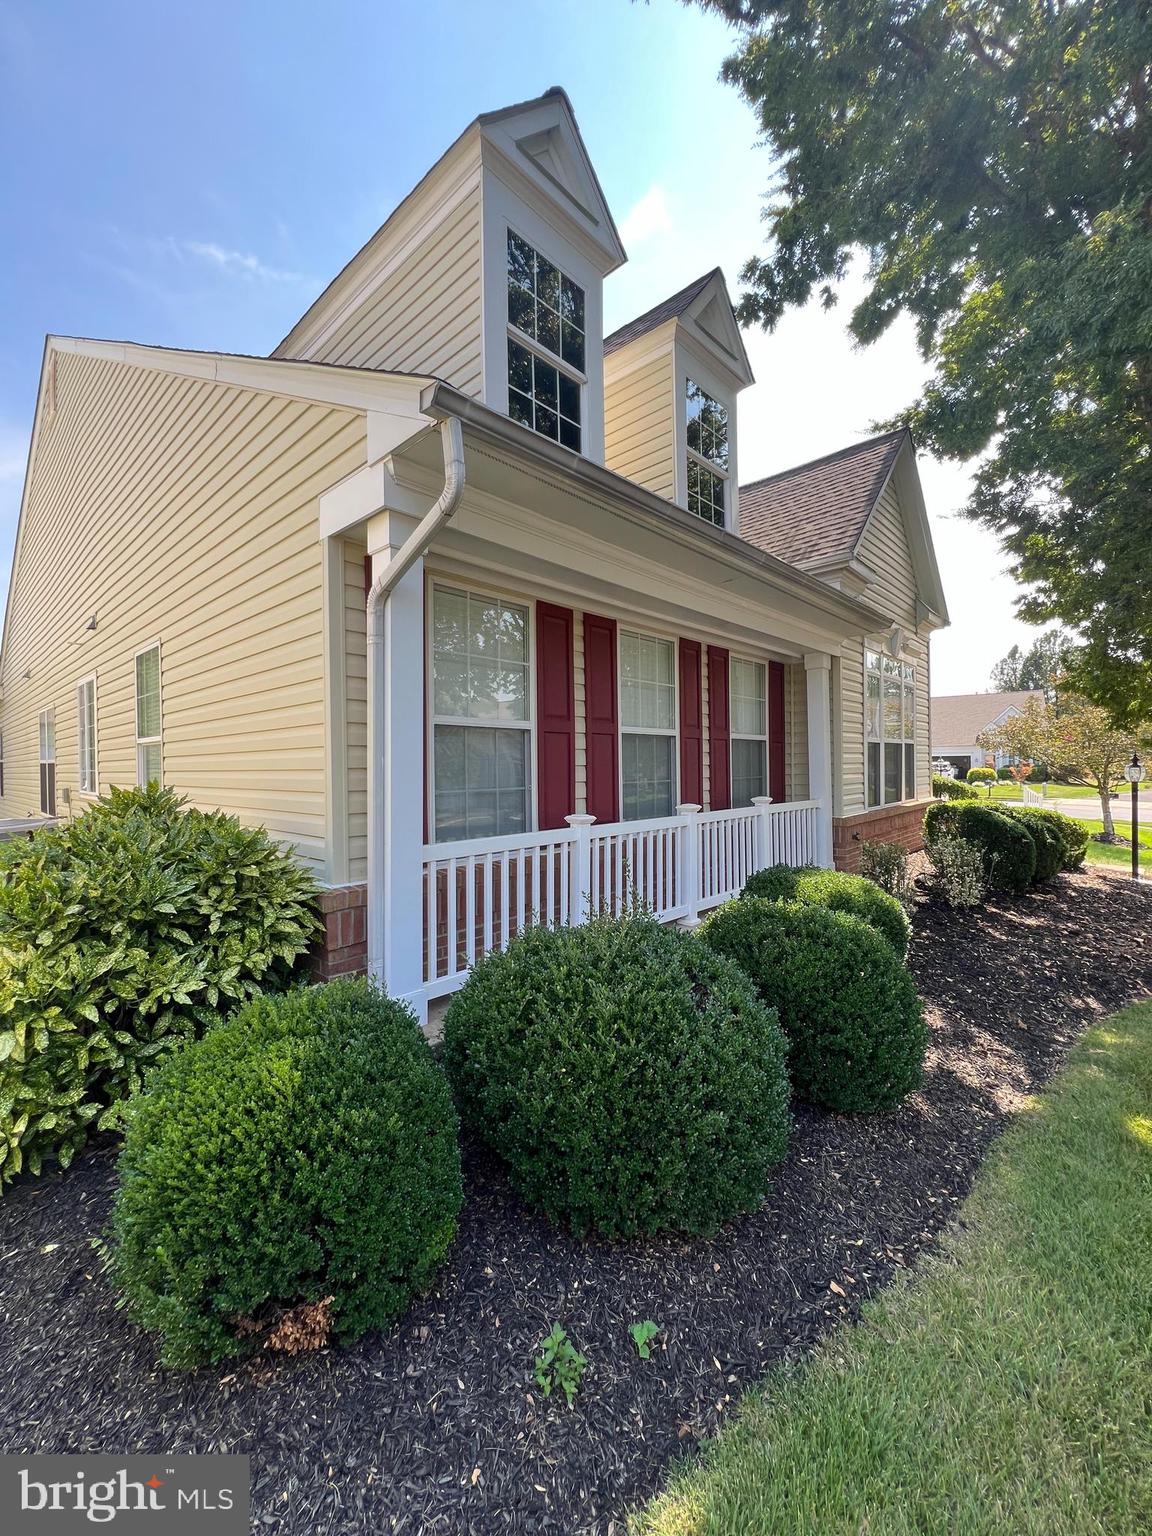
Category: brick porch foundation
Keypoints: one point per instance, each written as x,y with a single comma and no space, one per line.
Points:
343,951
903,824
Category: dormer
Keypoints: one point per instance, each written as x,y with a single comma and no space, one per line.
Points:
489,275
671,378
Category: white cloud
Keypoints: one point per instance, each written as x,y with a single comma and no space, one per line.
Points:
647,218
235,263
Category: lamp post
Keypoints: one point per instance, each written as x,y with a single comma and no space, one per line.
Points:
1134,772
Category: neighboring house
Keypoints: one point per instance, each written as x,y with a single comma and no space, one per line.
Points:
960,719
464,600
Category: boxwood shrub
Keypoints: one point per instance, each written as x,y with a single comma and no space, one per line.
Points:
1006,845
1073,834
945,788
123,934
837,891
628,1076
855,1027
304,1153
1046,835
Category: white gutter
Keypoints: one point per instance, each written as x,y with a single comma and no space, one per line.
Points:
379,789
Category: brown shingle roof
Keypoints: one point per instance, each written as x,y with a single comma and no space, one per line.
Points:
818,509
668,309
958,718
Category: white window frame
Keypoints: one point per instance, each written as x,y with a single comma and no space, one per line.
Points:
148,741
516,600
908,675
647,730
46,724
87,784
538,349
692,457
733,733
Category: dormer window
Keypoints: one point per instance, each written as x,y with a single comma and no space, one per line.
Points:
707,432
545,345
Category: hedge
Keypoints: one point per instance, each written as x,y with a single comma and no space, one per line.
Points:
837,891
1007,847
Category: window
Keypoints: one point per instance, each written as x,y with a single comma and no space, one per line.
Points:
481,718
890,719
48,762
1,762
86,734
149,755
648,726
707,425
749,730
546,357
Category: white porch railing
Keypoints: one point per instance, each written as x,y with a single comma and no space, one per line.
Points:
478,895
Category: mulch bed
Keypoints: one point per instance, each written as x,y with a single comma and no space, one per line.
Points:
438,1427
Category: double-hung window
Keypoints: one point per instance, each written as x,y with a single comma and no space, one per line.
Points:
647,726
749,729
48,762
707,429
546,345
149,751
890,722
481,715
86,735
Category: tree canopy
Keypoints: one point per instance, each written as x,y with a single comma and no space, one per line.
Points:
1041,666
993,158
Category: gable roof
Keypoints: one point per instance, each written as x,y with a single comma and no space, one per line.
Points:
821,508
669,309
958,718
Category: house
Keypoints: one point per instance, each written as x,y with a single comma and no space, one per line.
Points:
463,599
959,719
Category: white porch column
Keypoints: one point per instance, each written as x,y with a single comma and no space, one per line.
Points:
396,809
817,676
689,873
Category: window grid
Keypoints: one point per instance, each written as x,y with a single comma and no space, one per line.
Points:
648,726
48,762
748,704
706,423
546,309
481,715
86,735
890,729
149,749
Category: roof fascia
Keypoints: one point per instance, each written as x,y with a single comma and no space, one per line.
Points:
735,358
33,443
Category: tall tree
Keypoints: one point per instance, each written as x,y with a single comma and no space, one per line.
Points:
1041,666
993,158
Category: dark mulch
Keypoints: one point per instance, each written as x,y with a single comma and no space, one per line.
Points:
438,1427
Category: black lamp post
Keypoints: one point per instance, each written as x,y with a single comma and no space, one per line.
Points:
1134,772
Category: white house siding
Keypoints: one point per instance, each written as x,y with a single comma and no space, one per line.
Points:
639,405
183,511
424,316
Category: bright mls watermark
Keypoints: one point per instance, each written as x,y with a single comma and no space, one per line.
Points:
146,1494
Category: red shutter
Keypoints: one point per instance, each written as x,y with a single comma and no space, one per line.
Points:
691,725
776,730
555,716
602,724
719,737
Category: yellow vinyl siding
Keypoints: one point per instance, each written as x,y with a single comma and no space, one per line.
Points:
180,511
425,316
795,733
639,421
884,549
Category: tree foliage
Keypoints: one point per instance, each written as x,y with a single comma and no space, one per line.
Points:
993,158
1041,666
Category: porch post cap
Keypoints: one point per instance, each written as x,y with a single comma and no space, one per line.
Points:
761,799
579,820
688,809
817,661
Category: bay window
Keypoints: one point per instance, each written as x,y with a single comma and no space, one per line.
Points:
749,730
546,345
481,715
707,470
890,728
647,726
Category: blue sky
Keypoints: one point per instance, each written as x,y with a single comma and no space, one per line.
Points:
193,175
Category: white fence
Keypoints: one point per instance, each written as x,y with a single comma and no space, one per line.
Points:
1031,796
479,895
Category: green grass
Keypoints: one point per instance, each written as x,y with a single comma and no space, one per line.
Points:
1007,1387
1121,853
1003,790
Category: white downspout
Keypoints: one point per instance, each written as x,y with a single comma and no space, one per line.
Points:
401,563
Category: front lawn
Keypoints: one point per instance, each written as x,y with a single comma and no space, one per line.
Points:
1006,790
1121,853
1006,1387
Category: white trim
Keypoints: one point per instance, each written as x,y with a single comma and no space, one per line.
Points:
93,789
148,741
479,588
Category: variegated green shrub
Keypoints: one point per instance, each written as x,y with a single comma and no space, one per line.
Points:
124,934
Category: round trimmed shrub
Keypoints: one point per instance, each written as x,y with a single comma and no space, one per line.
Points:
945,788
855,1026
1047,837
1073,836
838,892
981,775
1006,845
1005,774
297,1167
629,1077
